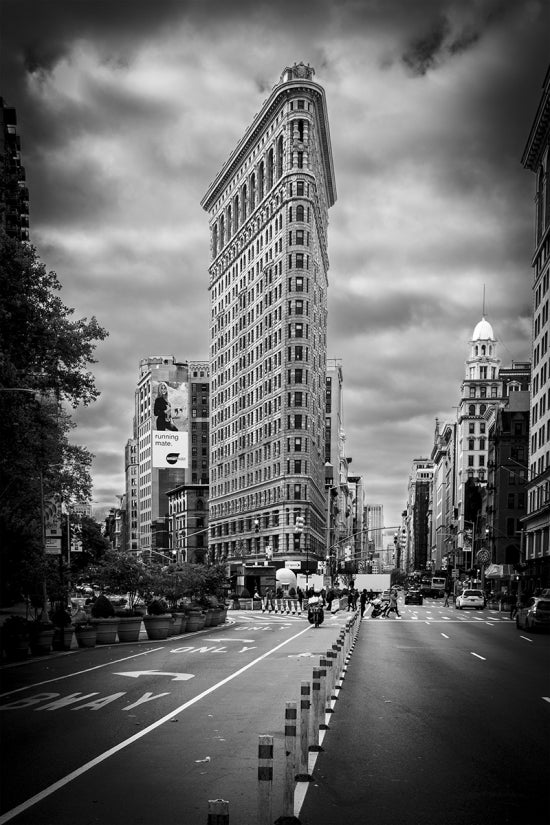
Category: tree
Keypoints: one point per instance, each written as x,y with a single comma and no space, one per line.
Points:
44,372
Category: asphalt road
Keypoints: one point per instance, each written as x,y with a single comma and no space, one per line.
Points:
148,733
444,718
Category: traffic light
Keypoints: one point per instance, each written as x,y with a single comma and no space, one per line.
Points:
299,524
256,526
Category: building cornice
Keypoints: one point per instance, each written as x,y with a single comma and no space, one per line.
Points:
538,136
281,93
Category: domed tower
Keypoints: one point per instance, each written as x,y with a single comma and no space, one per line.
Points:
481,389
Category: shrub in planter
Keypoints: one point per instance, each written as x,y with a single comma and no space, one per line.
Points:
157,607
105,620
102,608
158,621
129,625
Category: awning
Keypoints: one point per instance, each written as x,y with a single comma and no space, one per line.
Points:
499,571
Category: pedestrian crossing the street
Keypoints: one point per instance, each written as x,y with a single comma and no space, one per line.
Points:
446,615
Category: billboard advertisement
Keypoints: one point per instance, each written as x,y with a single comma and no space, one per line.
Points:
170,424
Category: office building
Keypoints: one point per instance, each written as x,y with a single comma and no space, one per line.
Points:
268,280
14,195
169,446
536,548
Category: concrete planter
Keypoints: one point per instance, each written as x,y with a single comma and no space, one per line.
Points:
86,637
158,627
129,628
180,623
41,638
106,630
63,637
195,621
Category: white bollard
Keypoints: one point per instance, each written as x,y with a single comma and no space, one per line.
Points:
265,779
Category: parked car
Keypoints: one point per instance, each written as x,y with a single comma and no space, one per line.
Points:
534,614
470,598
414,596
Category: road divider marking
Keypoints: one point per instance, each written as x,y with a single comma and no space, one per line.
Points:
527,639
70,777
231,639
546,698
444,635
178,677
478,656
80,672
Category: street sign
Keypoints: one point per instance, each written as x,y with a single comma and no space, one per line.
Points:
52,546
293,565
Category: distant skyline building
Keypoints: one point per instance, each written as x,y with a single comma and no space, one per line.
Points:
170,445
418,505
375,523
268,217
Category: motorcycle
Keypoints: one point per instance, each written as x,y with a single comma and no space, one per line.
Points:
315,613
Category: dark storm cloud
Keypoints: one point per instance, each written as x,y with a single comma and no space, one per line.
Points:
128,109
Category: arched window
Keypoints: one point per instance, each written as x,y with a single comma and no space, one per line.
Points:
472,409
243,203
229,222
300,213
222,231
215,240
235,213
252,192
270,169
279,156
540,204
200,504
482,409
261,181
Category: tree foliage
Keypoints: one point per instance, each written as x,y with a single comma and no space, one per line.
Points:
45,356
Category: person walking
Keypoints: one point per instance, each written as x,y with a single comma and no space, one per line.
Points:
516,604
269,603
392,605
447,594
363,601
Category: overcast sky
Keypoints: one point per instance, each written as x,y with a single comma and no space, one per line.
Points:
127,110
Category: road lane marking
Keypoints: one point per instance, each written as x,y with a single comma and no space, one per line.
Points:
444,635
527,639
56,786
178,677
231,639
478,656
80,672
546,698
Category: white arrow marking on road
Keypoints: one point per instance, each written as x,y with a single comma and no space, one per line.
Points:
478,656
227,639
178,677
300,655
